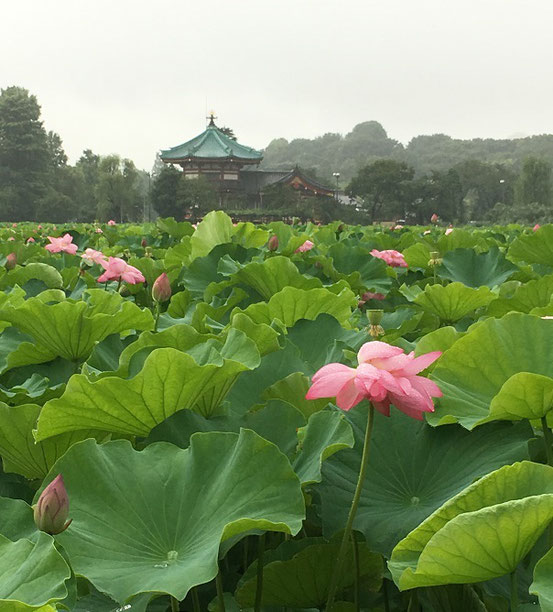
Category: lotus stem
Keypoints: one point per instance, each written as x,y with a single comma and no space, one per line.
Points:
514,591
385,595
196,600
259,582
548,440
158,312
220,592
352,512
174,604
357,577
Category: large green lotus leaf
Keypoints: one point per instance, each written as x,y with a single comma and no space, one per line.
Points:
160,531
181,337
150,268
20,453
543,582
169,380
32,575
273,275
472,372
326,433
476,270
358,260
481,533
534,248
292,304
301,572
176,229
533,294
17,520
413,470
21,275
292,389
462,239
453,301
523,396
215,228
71,329
440,339
249,235
417,255
264,336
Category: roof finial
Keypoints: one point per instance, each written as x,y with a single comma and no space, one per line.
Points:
211,118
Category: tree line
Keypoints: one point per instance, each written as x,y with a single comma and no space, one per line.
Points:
479,180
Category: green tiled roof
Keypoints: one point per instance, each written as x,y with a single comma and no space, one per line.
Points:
211,144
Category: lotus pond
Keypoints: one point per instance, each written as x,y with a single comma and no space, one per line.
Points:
189,414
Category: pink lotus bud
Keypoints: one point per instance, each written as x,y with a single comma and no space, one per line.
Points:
143,243
272,245
111,222
536,227
30,239
434,218
161,290
52,509
11,261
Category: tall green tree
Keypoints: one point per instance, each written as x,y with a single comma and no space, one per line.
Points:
164,192
534,183
25,157
385,187
116,190
195,197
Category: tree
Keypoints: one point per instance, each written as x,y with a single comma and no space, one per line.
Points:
384,187
196,196
228,132
116,190
24,155
534,183
164,192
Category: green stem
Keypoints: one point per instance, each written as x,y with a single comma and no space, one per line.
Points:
259,582
196,600
514,591
220,593
548,440
174,604
158,312
245,551
385,594
413,601
119,284
352,512
106,286
357,577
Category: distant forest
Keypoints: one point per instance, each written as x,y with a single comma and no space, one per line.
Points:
462,181
369,141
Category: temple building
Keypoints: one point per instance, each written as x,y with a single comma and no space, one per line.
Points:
233,168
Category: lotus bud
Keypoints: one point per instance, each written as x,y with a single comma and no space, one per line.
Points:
435,259
434,218
272,245
11,261
161,290
52,509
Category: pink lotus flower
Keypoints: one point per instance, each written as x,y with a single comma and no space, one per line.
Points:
369,295
118,269
30,239
448,231
40,227
52,509
434,218
61,245
161,289
93,257
14,224
11,261
111,222
11,238
385,375
306,246
536,227
99,230
391,257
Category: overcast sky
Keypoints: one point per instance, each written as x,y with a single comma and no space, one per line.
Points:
134,76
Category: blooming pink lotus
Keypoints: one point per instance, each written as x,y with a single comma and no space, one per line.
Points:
385,375
118,269
91,256
111,222
536,227
391,257
306,246
99,230
30,239
61,245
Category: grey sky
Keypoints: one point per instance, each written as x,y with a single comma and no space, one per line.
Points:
131,77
